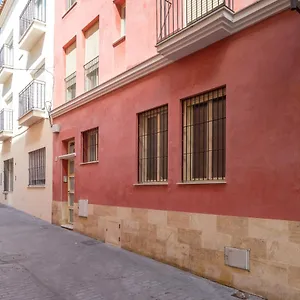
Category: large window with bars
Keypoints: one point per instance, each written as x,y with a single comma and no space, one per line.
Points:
204,141
8,185
37,167
153,145
90,145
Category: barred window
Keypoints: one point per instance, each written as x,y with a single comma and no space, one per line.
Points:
153,145
70,83
204,129
90,145
8,175
91,70
37,167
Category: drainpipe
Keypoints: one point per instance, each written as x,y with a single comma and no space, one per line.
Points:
295,5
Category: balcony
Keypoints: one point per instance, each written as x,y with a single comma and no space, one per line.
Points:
32,103
70,83
91,74
32,23
6,62
6,124
186,26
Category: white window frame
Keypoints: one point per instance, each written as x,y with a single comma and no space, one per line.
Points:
123,20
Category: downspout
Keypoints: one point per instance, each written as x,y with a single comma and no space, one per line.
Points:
295,5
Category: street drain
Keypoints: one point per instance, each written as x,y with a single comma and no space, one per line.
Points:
90,242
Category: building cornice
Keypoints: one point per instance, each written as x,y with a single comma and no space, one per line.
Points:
4,10
243,19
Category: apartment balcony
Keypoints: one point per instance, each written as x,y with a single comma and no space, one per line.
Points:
6,62
6,124
32,103
91,74
186,26
32,23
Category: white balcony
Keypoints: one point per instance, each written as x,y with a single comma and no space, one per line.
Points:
186,26
32,103
6,124
32,24
6,62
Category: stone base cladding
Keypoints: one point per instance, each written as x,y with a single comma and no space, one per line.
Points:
195,242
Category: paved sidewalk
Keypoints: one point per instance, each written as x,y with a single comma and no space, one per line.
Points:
39,261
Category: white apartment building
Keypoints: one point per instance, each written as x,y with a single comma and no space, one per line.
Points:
26,91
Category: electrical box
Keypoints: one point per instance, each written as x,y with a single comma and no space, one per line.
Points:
237,258
65,179
83,208
55,128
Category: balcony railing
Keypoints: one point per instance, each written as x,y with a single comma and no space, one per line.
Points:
34,10
6,56
32,97
70,83
91,74
175,15
6,119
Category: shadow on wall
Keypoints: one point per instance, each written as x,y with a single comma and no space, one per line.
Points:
34,135
6,147
7,86
35,53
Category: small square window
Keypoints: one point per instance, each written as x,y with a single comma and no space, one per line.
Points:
37,167
90,145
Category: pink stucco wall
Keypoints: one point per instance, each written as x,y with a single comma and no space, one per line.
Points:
139,45
261,69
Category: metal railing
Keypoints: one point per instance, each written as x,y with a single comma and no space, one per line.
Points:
175,15
32,97
34,10
6,119
70,83
6,56
91,73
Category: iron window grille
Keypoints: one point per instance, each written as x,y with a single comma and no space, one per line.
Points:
34,10
6,56
153,145
175,15
204,141
70,3
91,74
32,97
70,83
37,167
90,145
8,185
6,119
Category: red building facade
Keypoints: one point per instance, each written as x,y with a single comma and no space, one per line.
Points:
194,152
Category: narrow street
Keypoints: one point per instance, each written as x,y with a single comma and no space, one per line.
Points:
39,261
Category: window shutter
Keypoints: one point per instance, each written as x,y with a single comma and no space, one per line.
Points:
92,43
71,60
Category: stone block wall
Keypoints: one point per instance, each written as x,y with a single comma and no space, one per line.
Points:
195,242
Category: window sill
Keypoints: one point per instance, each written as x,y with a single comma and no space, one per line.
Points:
151,184
202,182
119,41
69,9
89,163
36,186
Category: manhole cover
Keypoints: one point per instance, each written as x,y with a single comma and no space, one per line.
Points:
90,242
